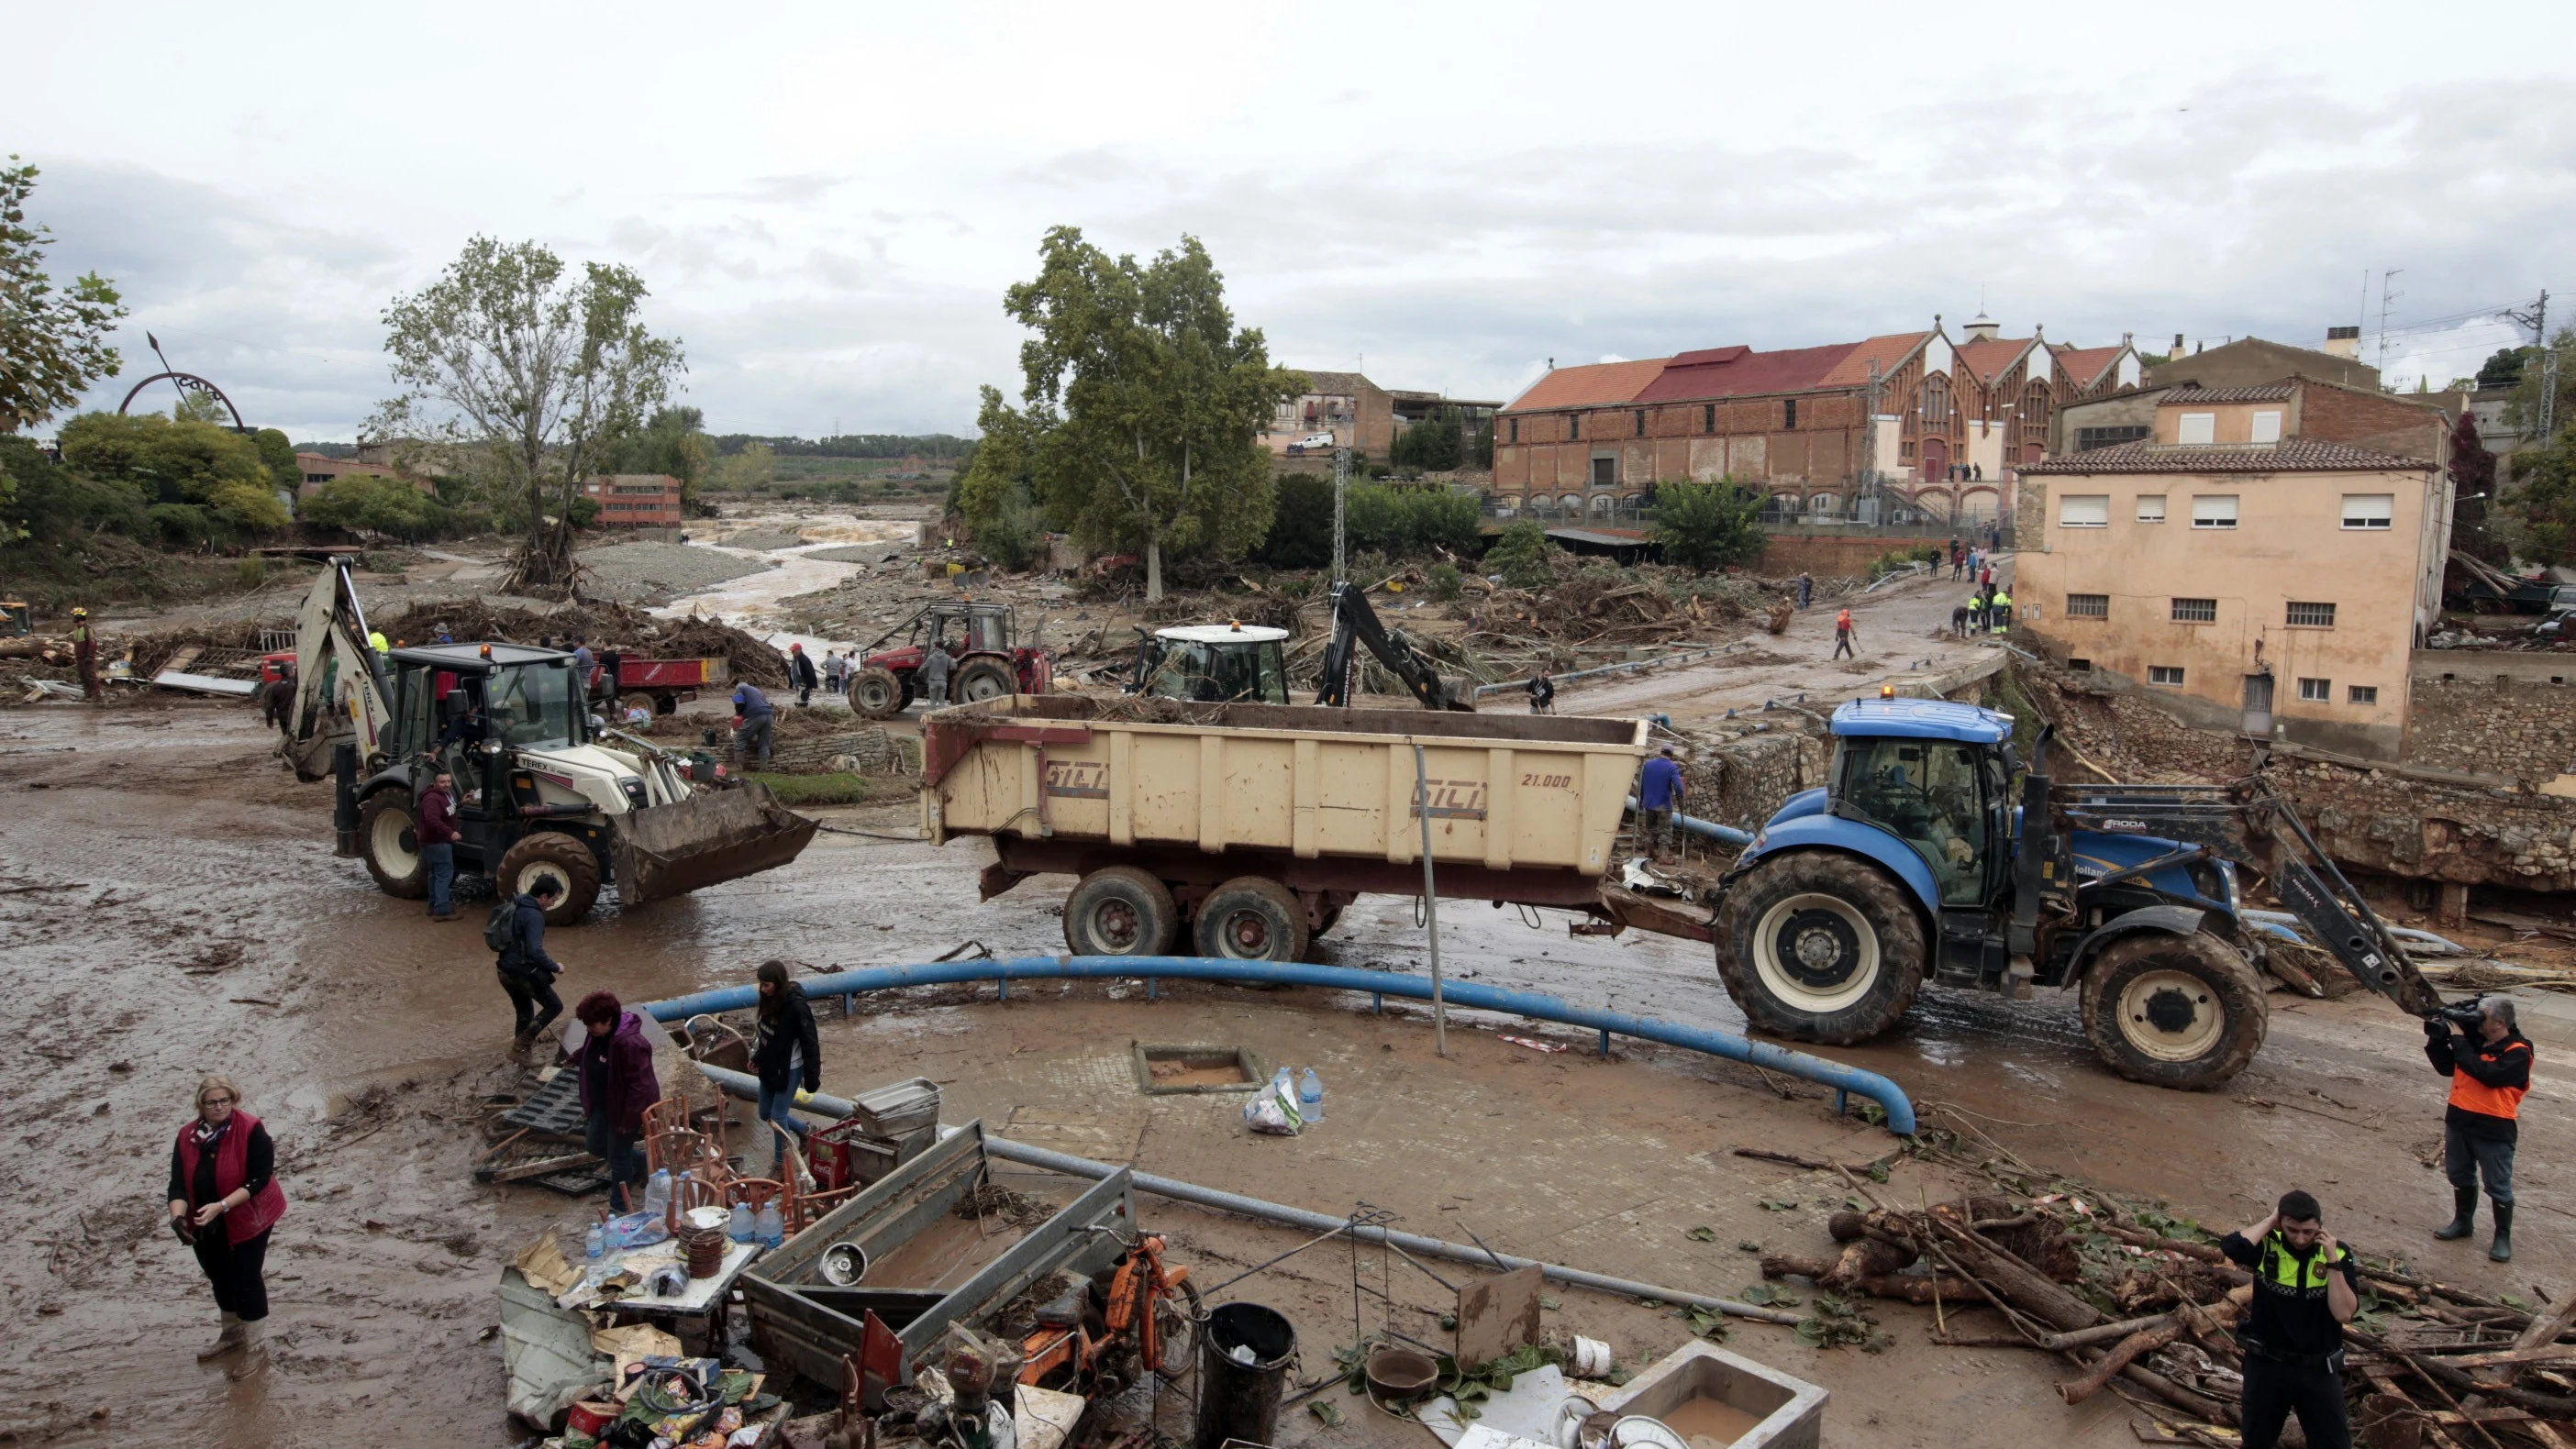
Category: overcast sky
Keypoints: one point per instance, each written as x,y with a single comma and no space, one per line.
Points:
828,200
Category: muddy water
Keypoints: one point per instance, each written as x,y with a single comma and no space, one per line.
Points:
751,602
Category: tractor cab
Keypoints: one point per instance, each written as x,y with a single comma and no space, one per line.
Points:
1215,663
1937,776
987,661
528,698
963,627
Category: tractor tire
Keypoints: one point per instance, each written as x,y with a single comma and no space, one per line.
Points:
1820,946
1252,918
2185,1012
1121,911
877,694
983,680
389,838
551,853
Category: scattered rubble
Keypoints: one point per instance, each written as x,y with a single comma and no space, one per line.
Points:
652,572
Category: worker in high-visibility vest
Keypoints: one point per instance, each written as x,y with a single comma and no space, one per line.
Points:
85,656
2000,610
2306,1289
2489,1063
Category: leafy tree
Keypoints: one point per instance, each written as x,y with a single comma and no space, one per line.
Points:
1707,526
1000,468
675,443
279,455
364,501
52,344
541,372
1144,403
174,462
1525,556
1301,523
2473,485
1402,521
2505,368
2547,502
1015,533
50,505
1433,444
748,471
200,407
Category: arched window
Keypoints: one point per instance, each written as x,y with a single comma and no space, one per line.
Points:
1936,403
1571,503
1825,505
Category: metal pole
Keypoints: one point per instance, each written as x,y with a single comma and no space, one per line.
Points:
1430,905
1341,490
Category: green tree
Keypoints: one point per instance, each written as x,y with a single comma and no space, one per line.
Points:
1301,523
1144,403
366,502
673,442
748,471
1524,556
999,469
53,345
542,373
173,462
200,407
279,455
1014,534
2504,369
1706,526
1435,444
1403,521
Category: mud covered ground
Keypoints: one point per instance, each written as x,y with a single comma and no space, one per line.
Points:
169,905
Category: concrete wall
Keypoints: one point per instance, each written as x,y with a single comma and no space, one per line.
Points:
1826,555
2119,410
2255,361
2287,546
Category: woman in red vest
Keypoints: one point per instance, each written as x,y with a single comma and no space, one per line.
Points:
224,1199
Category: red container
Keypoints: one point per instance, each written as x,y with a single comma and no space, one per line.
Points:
591,1419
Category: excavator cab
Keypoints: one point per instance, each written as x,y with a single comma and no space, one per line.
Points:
1215,663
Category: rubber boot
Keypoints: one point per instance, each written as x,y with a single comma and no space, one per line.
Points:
2502,1249
226,1342
254,1354
2464,1219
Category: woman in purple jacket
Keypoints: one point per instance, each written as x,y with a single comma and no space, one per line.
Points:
617,1084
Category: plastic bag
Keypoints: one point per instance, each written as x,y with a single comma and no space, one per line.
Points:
1273,1113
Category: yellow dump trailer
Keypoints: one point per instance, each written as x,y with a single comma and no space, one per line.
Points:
1260,822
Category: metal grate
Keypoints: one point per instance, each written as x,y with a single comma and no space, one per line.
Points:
2195,611
2088,606
2311,616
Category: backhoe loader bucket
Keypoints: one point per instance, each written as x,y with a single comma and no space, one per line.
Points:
719,835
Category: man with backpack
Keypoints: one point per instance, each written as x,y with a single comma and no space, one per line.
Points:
516,932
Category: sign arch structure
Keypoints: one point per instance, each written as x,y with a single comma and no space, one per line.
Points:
186,382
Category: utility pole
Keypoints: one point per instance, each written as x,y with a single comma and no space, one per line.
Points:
1341,491
2385,298
1869,433
2537,319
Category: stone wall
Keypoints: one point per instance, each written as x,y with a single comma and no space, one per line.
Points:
2377,821
2492,713
1740,781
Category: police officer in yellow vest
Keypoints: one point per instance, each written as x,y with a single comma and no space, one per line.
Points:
2306,1289
2489,1064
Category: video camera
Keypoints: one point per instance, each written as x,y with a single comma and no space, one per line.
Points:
2463,1014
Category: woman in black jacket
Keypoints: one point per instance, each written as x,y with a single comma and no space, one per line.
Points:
787,1054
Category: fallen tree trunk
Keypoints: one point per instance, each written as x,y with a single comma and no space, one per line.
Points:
2128,1350
1904,1288
2058,1342
2028,1289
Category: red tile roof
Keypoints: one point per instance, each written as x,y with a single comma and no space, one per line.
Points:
1743,372
1887,350
1990,357
2086,364
1593,385
2259,392
2299,455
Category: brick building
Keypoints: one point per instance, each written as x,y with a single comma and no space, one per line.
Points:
1903,420
636,500
319,469
2267,560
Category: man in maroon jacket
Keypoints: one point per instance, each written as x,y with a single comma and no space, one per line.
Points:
617,1084
438,843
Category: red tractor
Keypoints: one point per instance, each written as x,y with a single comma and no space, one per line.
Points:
978,636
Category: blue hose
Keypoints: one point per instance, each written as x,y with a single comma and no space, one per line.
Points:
1844,1080
1709,828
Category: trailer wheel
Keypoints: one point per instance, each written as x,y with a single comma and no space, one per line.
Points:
984,679
2173,1011
877,694
551,853
1121,911
389,833
1252,918
1331,917
1820,946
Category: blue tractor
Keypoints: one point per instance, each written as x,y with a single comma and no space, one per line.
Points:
1936,854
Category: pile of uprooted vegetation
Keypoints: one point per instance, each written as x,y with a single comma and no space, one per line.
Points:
604,625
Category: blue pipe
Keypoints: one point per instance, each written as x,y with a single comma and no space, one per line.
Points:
1845,1080
1709,828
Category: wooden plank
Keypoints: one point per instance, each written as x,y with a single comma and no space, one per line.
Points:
2547,1330
2500,1358
1497,1314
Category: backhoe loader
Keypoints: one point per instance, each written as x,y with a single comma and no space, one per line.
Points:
537,794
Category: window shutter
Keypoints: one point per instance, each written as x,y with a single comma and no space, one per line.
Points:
2267,426
2214,510
2369,510
2199,430
2084,510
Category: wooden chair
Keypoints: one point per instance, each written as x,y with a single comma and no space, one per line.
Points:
661,1120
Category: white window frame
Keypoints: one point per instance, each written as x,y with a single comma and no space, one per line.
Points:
2084,510
2363,694
2363,517
2157,499
2172,669
2316,691
2196,430
2213,510
2267,426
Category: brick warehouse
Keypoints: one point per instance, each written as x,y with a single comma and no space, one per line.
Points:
1941,425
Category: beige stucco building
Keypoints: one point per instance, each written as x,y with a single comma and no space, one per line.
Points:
2248,572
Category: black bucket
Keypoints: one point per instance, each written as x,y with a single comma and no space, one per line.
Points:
1239,1400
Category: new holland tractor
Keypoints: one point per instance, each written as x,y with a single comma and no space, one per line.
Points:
1935,855
542,788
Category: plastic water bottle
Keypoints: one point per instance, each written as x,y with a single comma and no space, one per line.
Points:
657,1191
740,1229
595,1243
1310,1098
771,1228
1281,1085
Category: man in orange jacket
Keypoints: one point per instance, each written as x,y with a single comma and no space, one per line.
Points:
2490,1070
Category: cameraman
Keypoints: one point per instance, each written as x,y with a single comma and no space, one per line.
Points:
2489,1064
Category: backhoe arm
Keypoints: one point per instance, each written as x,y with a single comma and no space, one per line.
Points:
340,689
1356,624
